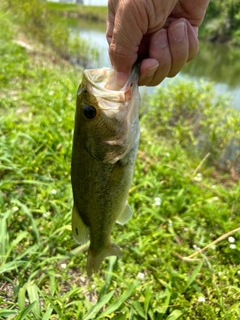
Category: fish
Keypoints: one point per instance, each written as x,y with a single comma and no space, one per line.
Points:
105,144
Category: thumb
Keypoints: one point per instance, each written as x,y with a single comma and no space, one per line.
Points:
124,37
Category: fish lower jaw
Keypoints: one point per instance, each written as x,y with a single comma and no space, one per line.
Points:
95,258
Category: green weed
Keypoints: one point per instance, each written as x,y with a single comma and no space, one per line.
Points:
93,13
181,203
46,26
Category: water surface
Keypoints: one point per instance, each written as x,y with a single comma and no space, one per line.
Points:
217,63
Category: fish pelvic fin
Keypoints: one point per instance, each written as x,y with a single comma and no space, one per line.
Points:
79,229
95,259
125,215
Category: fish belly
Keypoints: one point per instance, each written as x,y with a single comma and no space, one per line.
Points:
100,191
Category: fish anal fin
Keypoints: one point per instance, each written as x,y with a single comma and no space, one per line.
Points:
79,229
125,215
95,259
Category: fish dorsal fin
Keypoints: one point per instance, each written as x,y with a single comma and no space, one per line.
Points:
125,215
79,229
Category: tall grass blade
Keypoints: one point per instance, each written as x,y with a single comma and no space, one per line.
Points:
97,307
32,291
4,238
108,276
4,313
26,311
47,314
119,301
193,275
147,299
21,235
12,265
137,306
29,214
21,298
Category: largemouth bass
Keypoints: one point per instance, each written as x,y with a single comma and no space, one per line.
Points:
105,145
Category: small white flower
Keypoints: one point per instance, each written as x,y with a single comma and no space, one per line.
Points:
82,279
45,214
157,201
195,247
201,299
198,177
213,199
15,209
69,97
170,223
141,276
219,273
233,246
53,191
231,239
238,272
63,266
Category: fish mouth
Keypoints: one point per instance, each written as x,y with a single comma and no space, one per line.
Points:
98,82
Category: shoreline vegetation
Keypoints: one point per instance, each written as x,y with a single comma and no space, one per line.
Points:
185,193
92,13
221,24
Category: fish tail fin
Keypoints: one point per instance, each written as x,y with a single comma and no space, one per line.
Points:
95,259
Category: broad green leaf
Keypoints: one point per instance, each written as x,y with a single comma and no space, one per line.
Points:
193,275
26,311
175,315
52,285
12,265
168,293
47,314
21,298
137,305
7,313
147,298
4,240
32,290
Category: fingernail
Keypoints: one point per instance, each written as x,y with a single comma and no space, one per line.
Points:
160,39
178,31
121,79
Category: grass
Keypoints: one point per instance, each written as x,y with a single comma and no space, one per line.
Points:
51,30
181,202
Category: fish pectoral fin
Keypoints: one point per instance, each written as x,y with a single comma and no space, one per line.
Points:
125,215
95,259
79,229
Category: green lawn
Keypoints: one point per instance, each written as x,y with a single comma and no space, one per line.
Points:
181,198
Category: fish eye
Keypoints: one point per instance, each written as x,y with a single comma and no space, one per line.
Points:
89,112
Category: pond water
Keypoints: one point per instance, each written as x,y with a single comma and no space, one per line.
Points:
215,62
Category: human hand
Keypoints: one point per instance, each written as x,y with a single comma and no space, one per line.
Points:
162,34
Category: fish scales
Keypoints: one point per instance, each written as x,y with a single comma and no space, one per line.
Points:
105,144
